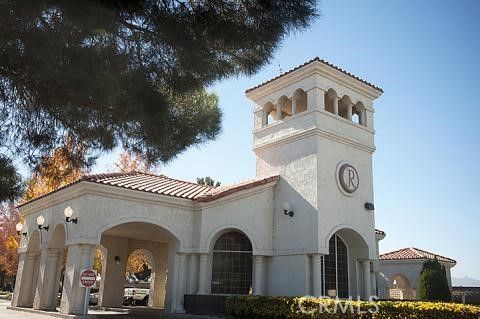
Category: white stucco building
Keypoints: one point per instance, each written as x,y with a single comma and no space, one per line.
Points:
400,270
304,225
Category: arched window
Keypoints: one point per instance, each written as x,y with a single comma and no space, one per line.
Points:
335,266
331,103
300,100
270,114
345,107
232,264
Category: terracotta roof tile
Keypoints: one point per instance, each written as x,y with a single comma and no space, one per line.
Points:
412,253
163,185
316,59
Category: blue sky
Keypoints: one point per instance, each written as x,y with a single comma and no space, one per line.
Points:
426,57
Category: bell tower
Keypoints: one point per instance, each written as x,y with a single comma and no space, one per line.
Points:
314,126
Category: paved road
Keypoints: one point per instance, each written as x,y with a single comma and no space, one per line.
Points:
139,313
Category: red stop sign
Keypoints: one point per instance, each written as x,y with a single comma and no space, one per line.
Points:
88,277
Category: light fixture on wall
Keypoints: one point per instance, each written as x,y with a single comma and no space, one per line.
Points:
40,222
19,228
117,260
68,212
369,206
286,210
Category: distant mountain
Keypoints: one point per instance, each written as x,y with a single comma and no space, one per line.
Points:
465,282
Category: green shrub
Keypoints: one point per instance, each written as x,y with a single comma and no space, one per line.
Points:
289,308
433,282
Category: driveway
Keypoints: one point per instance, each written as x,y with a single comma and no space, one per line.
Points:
134,313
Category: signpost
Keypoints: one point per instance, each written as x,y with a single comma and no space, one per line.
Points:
88,278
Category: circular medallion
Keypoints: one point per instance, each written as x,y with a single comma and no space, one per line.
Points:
348,177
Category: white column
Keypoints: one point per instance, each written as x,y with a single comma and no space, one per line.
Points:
47,285
363,115
294,105
279,111
335,106
79,257
113,271
192,283
258,271
181,280
373,286
349,111
202,274
367,290
26,279
317,275
315,99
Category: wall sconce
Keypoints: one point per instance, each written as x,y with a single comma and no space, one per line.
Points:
68,212
369,206
286,210
40,222
19,228
117,260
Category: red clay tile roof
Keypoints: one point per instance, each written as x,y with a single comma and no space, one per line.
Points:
163,185
412,253
316,59
379,232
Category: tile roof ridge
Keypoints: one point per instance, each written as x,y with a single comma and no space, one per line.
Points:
315,59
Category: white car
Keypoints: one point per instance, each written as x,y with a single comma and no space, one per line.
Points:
135,296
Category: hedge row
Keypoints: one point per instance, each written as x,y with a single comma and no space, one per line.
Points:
310,307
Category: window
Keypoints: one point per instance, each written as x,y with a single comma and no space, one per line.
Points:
232,264
335,268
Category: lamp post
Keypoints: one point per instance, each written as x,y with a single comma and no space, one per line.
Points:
19,228
68,212
40,222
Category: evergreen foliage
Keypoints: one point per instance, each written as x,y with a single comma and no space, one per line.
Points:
208,181
129,73
434,282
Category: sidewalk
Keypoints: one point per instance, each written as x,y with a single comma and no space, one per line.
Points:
135,313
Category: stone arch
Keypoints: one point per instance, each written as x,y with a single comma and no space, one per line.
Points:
358,257
229,277
331,101
120,240
284,105
358,113
345,107
269,113
151,267
216,233
352,237
145,220
299,101
400,287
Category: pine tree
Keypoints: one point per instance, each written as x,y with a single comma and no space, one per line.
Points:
128,73
434,282
208,181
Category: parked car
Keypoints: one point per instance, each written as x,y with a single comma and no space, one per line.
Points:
94,294
135,296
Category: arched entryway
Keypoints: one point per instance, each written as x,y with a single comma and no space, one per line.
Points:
346,269
119,242
140,276
401,288
28,265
